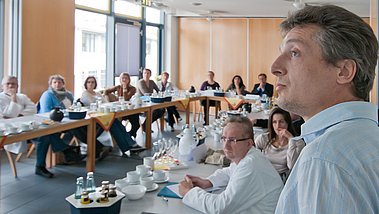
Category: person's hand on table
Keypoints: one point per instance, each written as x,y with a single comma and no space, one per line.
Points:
199,182
185,186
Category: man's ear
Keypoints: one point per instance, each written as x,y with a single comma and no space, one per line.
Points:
347,69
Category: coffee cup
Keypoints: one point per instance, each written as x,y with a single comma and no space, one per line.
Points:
159,175
142,170
147,182
132,177
148,161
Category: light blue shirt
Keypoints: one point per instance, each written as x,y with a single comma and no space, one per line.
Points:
338,169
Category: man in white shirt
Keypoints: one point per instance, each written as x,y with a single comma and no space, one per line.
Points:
13,104
325,72
252,183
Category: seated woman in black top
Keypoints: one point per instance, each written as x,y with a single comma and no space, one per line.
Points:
209,84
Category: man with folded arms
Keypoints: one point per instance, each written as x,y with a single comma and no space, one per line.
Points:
13,104
252,183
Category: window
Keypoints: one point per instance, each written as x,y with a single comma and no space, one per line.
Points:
88,41
94,5
127,9
152,50
90,51
153,15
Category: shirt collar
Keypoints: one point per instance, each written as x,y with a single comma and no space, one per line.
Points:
316,125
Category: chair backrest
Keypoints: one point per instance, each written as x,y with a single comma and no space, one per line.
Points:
38,106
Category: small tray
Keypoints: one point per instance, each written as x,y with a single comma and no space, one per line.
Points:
111,207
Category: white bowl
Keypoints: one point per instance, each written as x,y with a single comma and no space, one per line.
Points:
134,192
121,183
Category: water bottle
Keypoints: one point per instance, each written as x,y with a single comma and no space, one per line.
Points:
90,186
79,188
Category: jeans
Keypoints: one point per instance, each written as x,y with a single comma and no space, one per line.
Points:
42,144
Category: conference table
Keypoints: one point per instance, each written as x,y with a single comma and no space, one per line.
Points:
51,128
90,123
151,203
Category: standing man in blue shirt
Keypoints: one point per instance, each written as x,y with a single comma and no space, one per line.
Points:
325,72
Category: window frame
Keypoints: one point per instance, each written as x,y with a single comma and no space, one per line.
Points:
112,20
2,18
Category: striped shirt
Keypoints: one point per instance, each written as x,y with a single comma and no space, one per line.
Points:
338,170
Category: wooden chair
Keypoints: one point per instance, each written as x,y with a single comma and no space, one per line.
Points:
201,112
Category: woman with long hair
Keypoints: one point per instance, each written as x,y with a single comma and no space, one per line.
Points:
237,85
277,144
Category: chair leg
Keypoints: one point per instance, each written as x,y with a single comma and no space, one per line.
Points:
194,111
19,155
12,163
30,151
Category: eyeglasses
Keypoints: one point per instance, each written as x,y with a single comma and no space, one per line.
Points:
232,140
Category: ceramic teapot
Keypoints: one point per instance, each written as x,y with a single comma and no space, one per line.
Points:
186,144
56,114
192,89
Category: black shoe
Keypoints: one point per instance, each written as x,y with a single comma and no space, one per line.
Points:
41,170
137,148
103,153
172,128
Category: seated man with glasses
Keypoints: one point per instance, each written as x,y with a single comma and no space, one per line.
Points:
252,184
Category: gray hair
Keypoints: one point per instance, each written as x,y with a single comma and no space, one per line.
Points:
6,79
56,77
247,125
343,35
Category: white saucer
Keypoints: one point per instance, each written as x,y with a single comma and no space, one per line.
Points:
161,181
149,173
153,188
132,183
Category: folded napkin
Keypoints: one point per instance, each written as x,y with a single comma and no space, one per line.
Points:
166,192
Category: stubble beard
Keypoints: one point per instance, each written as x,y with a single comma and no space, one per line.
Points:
291,106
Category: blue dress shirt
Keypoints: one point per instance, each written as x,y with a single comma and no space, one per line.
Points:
338,170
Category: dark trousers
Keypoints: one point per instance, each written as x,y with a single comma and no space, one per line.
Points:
42,146
156,115
171,111
211,103
134,121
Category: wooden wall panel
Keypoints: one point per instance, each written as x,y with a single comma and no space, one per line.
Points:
229,48
193,52
47,44
373,23
265,39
